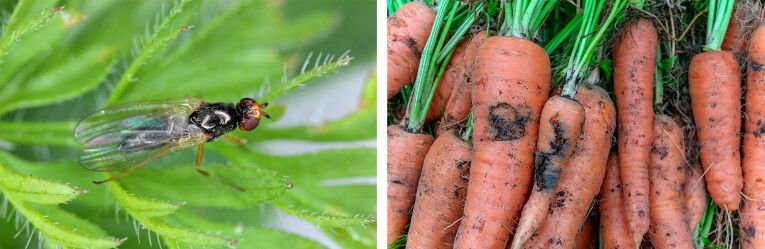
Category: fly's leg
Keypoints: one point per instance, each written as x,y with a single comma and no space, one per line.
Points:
131,171
235,140
205,173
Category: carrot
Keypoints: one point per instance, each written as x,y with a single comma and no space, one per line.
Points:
753,211
440,193
559,129
613,225
408,29
449,82
715,90
407,148
583,174
634,66
506,118
459,102
511,81
588,235
406,153
740,28
584,169
669,227
715,95
695,196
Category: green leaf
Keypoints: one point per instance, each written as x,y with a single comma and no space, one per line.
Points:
65,228
147,211
323,219
70,222
60,82
357,126
244,60
252,237
62,227
183,184
310,75
140,207
146,52
316,177
33,189
17,28
38,133
353,237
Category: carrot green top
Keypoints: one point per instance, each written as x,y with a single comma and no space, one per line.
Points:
524,17
717,22
589,37
438,50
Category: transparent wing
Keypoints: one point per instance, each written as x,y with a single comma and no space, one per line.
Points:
131,134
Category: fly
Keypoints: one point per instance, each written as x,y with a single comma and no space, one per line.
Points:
127,136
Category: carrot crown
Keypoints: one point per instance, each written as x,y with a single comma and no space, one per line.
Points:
524,17
437,50
717,22
590,36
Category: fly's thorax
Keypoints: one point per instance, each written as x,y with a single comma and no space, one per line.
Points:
215,119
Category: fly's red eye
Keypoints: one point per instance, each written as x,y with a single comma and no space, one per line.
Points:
249,124
247,102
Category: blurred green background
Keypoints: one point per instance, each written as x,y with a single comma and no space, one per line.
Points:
323,139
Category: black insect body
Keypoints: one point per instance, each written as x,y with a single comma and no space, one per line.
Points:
129,135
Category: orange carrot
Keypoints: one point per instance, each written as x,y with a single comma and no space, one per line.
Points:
695,196
459,103
669,228
740,28
408,30
715,90
588,235
559,130
450,81
440,193
511,82
613,225
406,153
634,68
753,212
583,174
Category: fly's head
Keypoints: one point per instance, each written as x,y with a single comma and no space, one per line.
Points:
250,113
215,119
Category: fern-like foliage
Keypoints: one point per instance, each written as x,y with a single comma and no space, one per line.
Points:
60,60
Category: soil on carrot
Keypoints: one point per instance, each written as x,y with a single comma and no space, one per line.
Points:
547,181
508,121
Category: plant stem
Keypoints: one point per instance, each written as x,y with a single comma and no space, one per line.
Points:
717,23
423,81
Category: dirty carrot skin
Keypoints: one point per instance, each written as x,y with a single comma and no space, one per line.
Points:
695,196
559,130
588,235
408,30
634,67
511,82
450,80
753,211
440,193
583,174
614,230
714,82
669,228
740,27
459,102
406,153
715,91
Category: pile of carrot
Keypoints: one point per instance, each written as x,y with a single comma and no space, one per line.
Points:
547,124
